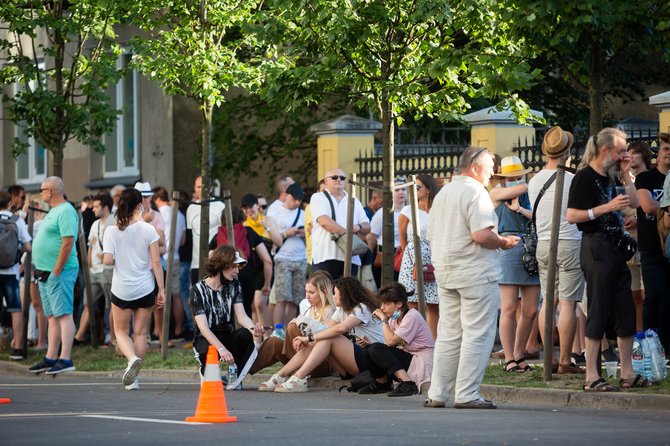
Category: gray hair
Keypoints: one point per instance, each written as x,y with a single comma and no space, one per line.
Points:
471,155
55,183
605,138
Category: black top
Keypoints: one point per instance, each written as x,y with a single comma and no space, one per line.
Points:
588,190
647,235
216,305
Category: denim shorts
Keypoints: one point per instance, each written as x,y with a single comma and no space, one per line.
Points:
58,293
9,289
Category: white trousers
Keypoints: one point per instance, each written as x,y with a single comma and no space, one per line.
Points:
465,336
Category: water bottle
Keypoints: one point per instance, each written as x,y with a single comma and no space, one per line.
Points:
279,331
638,354
232,373
657,355
648,367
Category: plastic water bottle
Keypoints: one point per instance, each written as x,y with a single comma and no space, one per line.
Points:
648,365
279,331
638,354
232,373
659,368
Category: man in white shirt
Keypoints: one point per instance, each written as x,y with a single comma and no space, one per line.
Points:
326,255
193,223
9,279
161,200
100,275
569,276
282,183
290,261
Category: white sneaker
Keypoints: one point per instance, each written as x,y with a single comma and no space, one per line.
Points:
271,384
135,385
133,369
293,385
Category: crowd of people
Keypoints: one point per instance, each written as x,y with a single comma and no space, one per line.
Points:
286,269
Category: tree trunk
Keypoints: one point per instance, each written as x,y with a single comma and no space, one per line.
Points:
596,89
57,154
388,162
205,172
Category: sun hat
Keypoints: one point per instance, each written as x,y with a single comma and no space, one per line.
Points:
144,188
556,142
511,166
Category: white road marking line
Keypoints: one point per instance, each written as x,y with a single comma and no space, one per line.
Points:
145,420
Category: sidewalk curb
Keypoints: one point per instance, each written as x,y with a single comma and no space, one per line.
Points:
500,394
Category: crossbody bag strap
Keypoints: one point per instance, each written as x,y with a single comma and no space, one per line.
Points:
539,196
297,216
332,206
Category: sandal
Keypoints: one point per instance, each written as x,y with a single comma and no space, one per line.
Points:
599,385
638,381
515,368
525,368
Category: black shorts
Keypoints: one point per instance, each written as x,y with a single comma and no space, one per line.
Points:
610,300
361,361
147,301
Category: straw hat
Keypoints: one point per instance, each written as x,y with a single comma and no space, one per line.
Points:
556,142
511,166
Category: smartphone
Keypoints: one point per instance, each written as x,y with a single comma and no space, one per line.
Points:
301,227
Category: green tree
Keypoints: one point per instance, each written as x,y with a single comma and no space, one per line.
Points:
425,57
62,57
595,47
197,49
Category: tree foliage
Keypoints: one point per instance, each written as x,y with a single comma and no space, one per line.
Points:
62,56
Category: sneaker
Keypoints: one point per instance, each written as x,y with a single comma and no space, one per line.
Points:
405,388
433,403
293,385
476,404
62,365
271,384
375,387
42,366
133,369
17,355
135,385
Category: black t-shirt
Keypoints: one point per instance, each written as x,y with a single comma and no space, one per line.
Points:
216,305
647,235
588,190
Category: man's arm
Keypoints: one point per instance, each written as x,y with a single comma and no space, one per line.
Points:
491,240
63,254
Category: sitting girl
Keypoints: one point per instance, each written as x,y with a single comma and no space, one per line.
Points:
213,302
407,352
354,314
319,295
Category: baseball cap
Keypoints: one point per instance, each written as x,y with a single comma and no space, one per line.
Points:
249,200
296,191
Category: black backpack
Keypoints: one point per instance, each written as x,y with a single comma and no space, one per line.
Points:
10,245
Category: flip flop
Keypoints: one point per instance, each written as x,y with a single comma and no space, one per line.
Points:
638,381
599,385
515,368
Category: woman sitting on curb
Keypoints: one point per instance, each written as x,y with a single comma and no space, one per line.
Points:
354,313
407,351
213,302
319,294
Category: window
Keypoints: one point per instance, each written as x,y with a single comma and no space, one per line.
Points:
121,145
31,165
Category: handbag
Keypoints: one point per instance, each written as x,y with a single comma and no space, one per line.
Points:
625,242
529,237
397,259
358,246
428,273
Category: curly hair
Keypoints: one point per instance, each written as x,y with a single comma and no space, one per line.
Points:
128,201
222,258
353,293
393,292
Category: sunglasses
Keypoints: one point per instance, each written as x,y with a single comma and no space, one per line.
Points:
338,177
264,206
43,189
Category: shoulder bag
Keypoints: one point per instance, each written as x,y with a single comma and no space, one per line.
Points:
529,238
358,246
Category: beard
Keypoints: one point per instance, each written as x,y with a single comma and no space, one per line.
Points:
612,169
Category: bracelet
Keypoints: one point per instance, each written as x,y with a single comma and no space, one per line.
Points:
310,337
592,216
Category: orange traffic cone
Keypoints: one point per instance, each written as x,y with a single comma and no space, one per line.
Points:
212,406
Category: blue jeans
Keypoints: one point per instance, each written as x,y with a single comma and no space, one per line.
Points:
184,291
656,307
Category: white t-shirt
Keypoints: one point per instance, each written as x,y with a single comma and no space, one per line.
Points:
132,278
376,227
273,208
423,222
95,239
166,213
293,248
24,237
323,247
193,223
545,209
370,326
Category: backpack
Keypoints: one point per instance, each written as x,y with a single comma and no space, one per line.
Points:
10,246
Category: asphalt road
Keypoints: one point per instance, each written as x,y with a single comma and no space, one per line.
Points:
94,412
